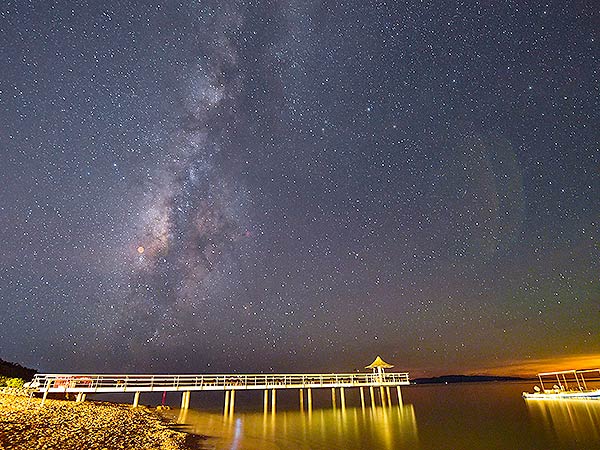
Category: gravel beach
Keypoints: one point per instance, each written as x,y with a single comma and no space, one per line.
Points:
87,425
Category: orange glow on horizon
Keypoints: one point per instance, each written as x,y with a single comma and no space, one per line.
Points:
526,368
531,367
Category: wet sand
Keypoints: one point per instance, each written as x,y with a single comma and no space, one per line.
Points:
63,424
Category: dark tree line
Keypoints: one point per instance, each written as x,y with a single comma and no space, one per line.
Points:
14,370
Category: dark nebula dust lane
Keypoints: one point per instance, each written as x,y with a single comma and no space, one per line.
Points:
256,186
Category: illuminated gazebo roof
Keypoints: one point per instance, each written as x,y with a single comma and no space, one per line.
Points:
379,363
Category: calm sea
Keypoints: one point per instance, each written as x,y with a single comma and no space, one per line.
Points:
454,416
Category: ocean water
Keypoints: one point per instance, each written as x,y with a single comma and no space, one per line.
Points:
454,416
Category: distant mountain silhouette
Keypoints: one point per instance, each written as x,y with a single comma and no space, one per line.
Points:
465,379
14,370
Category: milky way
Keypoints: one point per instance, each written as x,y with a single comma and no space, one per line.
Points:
193,217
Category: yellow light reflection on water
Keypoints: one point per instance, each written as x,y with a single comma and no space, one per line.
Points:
328,428
568,418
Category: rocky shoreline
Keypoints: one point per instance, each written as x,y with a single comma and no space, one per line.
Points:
63,424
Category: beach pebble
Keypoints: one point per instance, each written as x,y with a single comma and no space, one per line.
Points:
92,425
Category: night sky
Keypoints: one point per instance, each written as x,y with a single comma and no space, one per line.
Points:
298,186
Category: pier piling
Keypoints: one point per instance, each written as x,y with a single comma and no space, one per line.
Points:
226,407
136,399
266,401
362,397
273,400
185,400
231,402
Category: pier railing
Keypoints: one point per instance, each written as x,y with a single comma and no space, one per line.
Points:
208,382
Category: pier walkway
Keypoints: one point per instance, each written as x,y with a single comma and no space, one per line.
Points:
82,384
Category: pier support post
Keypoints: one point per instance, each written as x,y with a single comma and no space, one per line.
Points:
226,407
47,386
389,397
371,391
309,398
44,397
185,400
136,399
266,401
333,397
231,403
343,398
273,401
362,397
399,396
301,399
382,394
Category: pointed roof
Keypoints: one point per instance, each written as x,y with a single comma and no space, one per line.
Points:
379,363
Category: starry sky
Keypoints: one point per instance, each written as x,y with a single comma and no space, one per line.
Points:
298,186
